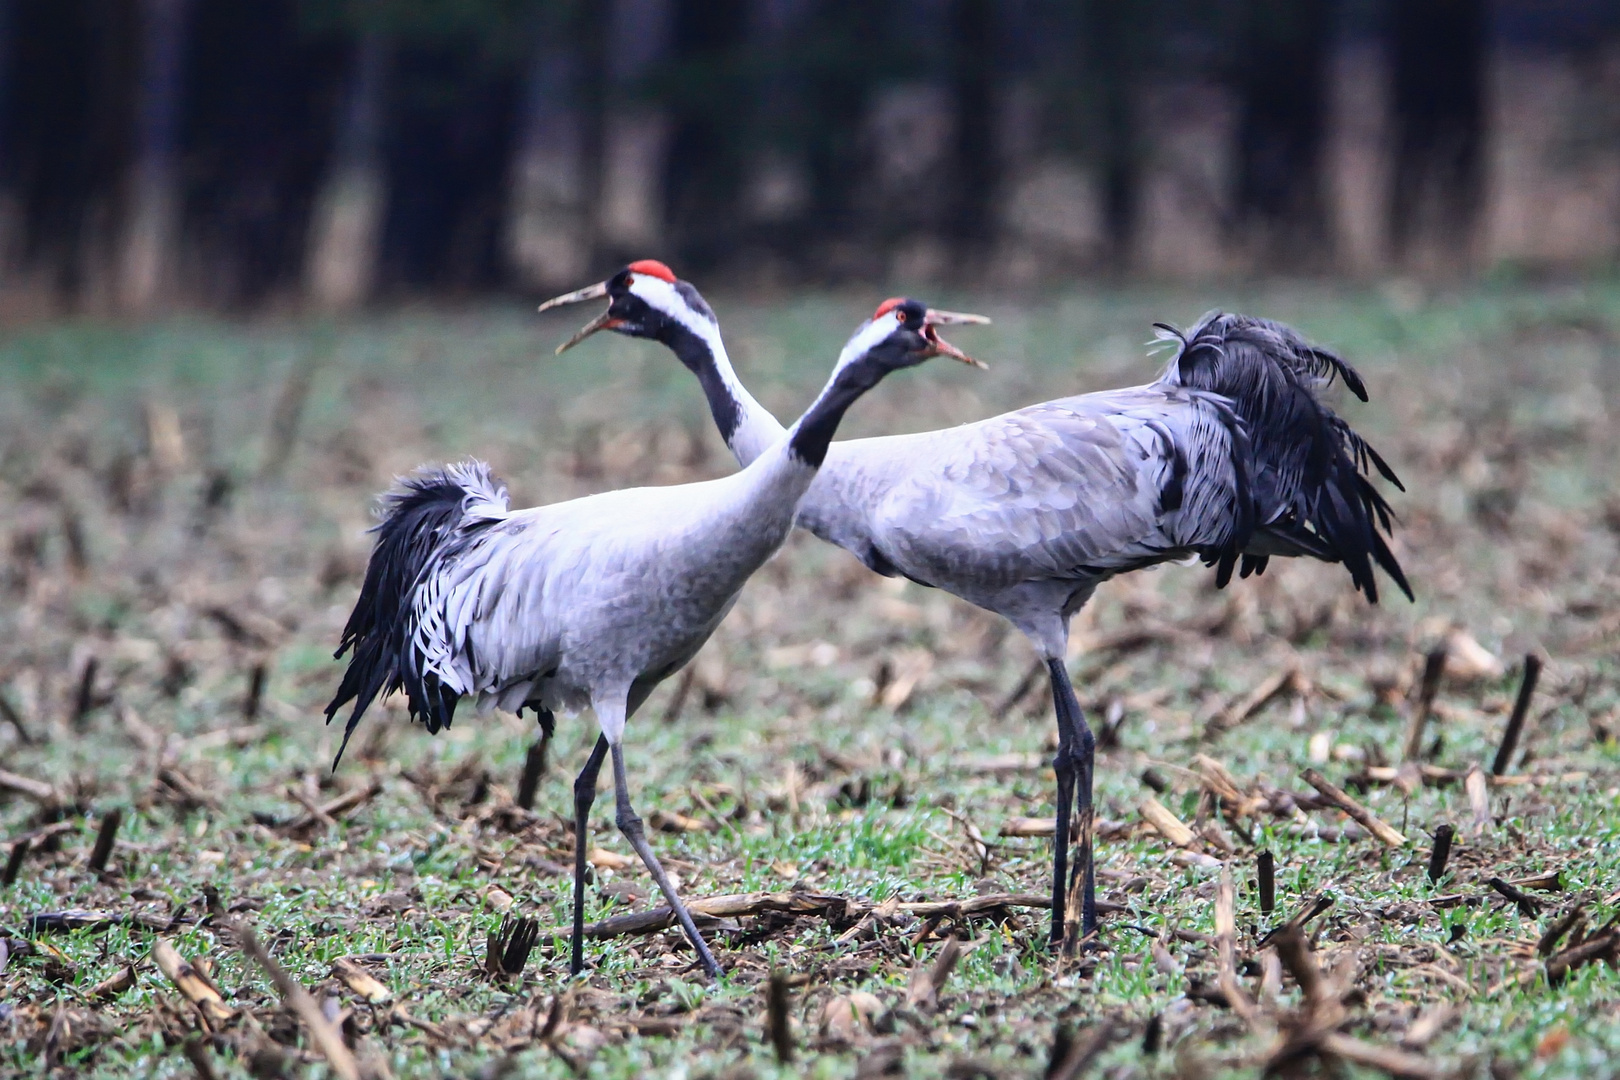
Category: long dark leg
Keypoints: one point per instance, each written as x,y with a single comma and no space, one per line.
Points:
1075,764
1064,766
630,824
584,795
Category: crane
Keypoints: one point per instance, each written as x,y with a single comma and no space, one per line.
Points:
1230,456
593,601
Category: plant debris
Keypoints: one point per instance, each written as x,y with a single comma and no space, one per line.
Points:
865,842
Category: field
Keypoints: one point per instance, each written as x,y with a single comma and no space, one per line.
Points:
182,512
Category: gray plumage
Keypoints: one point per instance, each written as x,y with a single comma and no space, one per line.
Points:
593,601
1025,513
1229,457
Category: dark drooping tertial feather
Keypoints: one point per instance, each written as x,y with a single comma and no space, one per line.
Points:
1308,471
420,521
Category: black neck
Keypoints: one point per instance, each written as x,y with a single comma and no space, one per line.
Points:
816,430
695,353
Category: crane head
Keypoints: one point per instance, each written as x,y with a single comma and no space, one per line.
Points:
904,332
645,299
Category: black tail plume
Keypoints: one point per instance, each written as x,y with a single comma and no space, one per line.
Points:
1308,471
419,519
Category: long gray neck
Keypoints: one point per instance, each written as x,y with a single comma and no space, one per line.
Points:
747,426
813,433
787,468
770,488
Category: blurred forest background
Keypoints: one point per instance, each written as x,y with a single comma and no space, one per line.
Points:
252,154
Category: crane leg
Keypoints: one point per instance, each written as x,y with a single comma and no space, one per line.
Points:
1074,765
1063,765
630,824
584,795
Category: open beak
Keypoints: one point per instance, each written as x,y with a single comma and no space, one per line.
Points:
944,348
604,321
589,292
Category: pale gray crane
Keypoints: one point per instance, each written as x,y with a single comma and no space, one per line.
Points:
593,601
1230,456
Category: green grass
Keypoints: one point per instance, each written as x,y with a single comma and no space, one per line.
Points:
1497,404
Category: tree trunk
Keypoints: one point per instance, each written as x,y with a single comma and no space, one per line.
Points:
1111,53
11,213
1183,216
635,133
973,33
1357,157
1282,93
1552,176
1046,194
910,136
547,231
708,150
776,184
1439,75
152,217
346,226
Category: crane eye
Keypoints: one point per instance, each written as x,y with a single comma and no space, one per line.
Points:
900,316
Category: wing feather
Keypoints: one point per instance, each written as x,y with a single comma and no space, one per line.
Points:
1074,487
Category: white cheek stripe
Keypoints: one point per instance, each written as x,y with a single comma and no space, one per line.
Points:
870,334
662,296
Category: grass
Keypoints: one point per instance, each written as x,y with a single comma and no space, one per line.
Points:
1498,404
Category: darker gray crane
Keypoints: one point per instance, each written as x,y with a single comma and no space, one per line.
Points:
1230,456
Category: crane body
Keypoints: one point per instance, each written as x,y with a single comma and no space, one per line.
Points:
593,601
550,605
1229,457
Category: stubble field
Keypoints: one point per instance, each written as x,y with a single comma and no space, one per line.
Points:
858,765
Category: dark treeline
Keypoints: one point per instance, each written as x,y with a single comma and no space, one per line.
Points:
254,151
